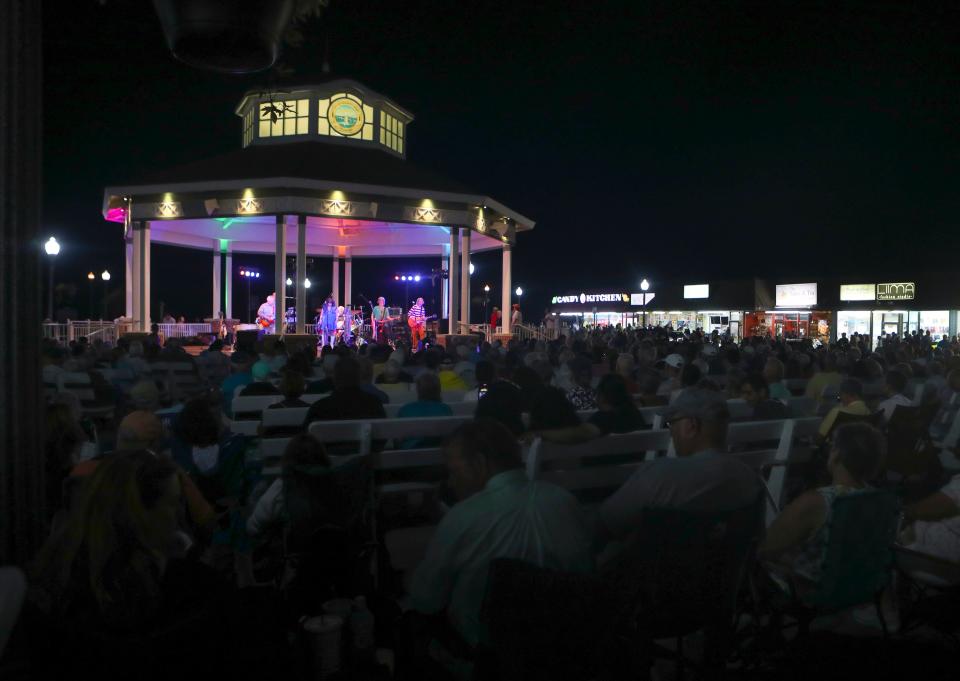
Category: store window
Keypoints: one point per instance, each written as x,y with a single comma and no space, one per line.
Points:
937,322
283,118
853,322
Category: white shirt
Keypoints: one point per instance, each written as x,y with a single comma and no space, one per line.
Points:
510,518
891,403
267,311
268,510
942,537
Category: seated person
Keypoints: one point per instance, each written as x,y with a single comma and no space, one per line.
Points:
303,459
648,386
755,392
428,403
552,410
503,403
702,476
582,396
208,452
501,514
292,387
449,378
260,385
895,389
366,380
949,398
797,539
774,371
240,364
851,402
347,402
935,523
393,373
486,374
616,413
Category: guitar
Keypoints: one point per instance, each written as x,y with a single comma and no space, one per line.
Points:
413,323
264,322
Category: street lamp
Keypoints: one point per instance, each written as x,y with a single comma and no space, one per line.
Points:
306,283
644,286
289,281
52,247
486,300
519,292
472,268
91,277
105,275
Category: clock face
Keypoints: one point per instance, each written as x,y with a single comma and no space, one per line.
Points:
345,116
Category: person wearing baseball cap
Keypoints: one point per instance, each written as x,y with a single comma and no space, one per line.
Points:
672,369
701,477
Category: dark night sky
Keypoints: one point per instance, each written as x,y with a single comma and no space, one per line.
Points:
688,140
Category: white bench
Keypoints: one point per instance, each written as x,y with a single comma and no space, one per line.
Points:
563,464
365,431
78,383
247,411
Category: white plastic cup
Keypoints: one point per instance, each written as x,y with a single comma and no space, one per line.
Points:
324,632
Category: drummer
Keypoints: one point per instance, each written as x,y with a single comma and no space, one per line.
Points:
378,317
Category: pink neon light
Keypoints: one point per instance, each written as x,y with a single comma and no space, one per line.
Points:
118,214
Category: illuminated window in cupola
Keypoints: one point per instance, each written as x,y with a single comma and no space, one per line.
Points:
345,115
282,118
391,132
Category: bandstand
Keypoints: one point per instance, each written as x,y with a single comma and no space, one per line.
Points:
322,172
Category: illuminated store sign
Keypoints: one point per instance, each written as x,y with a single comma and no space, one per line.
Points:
793,295
906,290
696,291
858,292
638,299
585,298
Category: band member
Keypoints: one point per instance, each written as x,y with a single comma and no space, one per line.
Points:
417,319
267,316
347,336
378,318
328,322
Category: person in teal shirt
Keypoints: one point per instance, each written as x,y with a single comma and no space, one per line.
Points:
429,403
501,514
241,363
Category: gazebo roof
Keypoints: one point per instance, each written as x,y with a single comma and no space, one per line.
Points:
333,153
313,160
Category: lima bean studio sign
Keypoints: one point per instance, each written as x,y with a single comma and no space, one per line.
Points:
904,290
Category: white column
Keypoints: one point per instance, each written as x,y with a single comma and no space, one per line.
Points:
465,277
454,280
136,264
280,274
507,293
348,279
335,288
144,269
301,273
217,272
128,276
228,284
444,282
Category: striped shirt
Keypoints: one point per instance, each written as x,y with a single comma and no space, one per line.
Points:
417,313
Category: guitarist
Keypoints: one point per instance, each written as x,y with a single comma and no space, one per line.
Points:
267,316
417,319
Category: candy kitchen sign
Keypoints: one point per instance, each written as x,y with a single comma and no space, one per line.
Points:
590,298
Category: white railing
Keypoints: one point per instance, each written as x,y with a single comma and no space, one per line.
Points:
91,329
184,330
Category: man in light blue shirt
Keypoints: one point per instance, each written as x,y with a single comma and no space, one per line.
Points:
501,515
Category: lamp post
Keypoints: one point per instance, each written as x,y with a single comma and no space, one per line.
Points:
105,275
91,277
644,286
486,300
52,247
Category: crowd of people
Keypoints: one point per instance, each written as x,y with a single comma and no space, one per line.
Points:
161,519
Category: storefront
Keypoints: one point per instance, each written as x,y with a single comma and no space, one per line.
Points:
887,308
795,315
